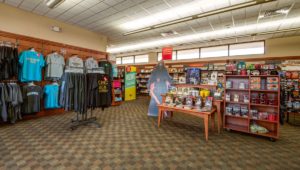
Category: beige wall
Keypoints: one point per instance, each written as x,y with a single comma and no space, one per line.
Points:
18,21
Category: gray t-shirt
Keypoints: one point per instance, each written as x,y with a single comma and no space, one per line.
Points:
32,96
55,66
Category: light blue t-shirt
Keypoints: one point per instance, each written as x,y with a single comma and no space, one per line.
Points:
31,66
51,92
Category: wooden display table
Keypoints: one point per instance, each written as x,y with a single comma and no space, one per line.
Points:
218,104
193,112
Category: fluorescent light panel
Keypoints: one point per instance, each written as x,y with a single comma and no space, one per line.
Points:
189,9
247,29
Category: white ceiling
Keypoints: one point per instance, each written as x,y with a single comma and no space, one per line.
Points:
106,17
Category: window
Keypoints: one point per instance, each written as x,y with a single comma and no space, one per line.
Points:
128,60
159,56
142,58
247,48
119,60
218,51
188,54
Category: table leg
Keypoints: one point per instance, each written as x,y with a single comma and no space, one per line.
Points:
159,117
212,119
219,116
206,127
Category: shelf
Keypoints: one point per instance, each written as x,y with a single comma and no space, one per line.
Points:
264,105
270,134
268,91
177,73
237,127
142,87
239,89
238,117
238,76
196,85
231,102
264,76
260,120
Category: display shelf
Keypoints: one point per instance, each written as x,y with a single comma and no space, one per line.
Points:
264,76
196,86
234,123
231,102
239,117
271,134
261,120
239,76
264,105
238,89
237,128
267,91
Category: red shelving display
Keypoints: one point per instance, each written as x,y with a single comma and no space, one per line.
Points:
261,106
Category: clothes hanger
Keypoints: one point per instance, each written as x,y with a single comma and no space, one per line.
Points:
31,84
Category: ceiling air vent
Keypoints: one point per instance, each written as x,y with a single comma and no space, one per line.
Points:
275,13
168,33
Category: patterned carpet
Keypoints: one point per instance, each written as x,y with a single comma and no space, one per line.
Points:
128,139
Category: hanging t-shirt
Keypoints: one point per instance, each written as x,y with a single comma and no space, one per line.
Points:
32,95
31,64
54,66
107,68
51,92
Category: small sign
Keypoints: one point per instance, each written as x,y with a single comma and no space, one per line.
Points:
167,53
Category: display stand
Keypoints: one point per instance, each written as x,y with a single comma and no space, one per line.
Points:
241,123
84,119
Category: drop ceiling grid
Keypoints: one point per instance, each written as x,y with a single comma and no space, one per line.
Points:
106,16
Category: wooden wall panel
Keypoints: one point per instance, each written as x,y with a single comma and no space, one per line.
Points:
46,47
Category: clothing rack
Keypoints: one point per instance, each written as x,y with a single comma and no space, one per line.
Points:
85,118
8,44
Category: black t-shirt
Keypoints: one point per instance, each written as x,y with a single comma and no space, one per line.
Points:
32,96
98,90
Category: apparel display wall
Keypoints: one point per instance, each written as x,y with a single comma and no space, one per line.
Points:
46,47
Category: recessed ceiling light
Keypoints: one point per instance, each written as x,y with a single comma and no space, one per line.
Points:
53,3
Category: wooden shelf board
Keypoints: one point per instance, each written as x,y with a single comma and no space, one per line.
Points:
268,121
270,134
264,76
238,76
268,91
238,117
237,128
264,105
239,89
196,85
237,102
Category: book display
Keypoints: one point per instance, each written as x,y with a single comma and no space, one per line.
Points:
252,104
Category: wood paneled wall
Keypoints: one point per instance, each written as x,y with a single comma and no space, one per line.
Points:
45,47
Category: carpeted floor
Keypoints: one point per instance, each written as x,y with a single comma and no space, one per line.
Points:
128,139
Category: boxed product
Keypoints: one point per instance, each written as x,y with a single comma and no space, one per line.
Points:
272,86
255,86
255,80
229,110
272,80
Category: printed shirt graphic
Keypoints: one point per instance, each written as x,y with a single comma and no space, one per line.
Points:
31,96
51,92
103,84
31,66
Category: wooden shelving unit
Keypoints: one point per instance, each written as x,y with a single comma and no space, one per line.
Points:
242,124
202,86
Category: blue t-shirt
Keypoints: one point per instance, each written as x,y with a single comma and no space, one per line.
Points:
51,96
31,66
